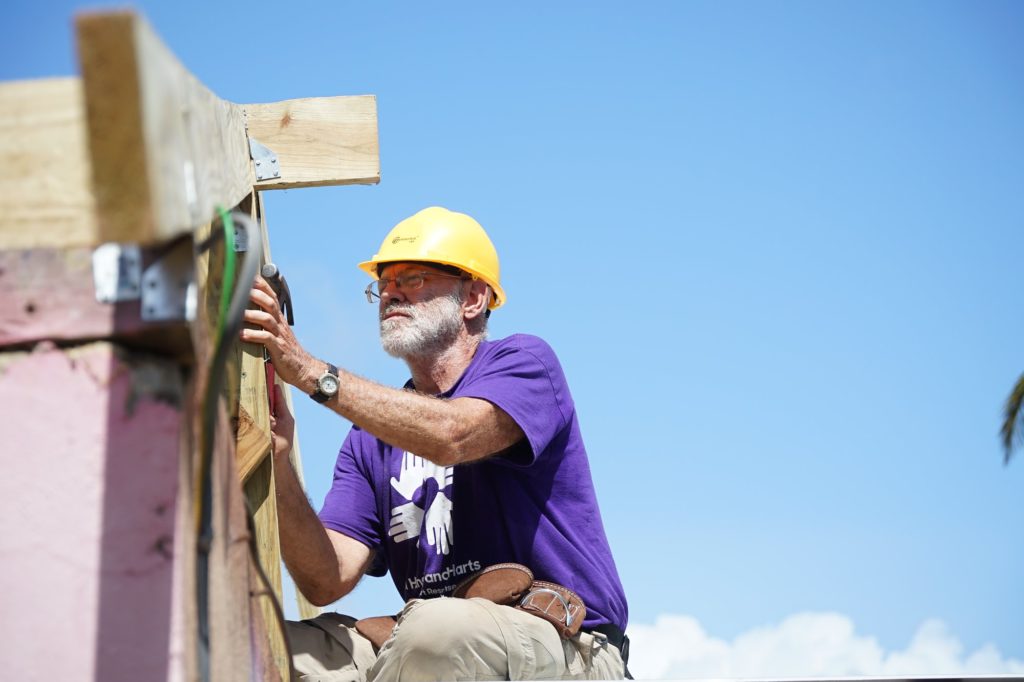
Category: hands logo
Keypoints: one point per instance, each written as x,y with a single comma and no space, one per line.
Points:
408,519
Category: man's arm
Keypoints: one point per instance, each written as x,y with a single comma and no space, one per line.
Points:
446,432
325,564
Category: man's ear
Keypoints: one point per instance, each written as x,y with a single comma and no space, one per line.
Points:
475,304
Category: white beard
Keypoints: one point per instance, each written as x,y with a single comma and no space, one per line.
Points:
431,327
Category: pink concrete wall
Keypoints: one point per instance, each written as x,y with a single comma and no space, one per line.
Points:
88,502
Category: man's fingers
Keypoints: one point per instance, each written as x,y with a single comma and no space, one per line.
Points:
261,318
263,296
262,285
261,336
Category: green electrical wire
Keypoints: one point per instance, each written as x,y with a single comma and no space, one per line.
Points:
230,260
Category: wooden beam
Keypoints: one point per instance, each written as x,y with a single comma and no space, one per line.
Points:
260,486
247,392
165,150
45,195
260,492
319,141
47,200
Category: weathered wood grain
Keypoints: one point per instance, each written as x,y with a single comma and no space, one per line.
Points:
165,150
45,193
319,141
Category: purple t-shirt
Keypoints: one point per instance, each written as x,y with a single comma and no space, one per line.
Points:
432,526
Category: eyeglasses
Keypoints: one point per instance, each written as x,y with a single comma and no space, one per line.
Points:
407,281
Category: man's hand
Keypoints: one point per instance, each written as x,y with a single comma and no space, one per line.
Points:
406,521
411,476
291,362
439,524
282,425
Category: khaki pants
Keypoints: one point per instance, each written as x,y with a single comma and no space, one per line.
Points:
450,639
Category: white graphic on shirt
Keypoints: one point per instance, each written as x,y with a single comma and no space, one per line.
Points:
407,520
439,524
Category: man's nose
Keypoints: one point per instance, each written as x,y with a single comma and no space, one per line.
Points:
390,291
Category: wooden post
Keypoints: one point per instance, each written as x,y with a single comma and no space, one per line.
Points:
103,465
90,494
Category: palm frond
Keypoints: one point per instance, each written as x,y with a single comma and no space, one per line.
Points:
1013,418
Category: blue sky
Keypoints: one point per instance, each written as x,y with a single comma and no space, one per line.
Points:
777,246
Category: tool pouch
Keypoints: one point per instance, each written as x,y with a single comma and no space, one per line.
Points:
501,583
556,604
509,585
513,585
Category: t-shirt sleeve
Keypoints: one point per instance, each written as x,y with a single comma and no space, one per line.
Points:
350,506
524,378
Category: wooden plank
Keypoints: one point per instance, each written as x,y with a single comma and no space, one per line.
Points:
260,487
47,201
247,392
252,446
165,150
45,193
247,407
262,500
234,633
319,141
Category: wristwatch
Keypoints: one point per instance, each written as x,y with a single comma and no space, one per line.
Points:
327,385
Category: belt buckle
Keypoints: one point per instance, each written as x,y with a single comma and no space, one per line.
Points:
601,640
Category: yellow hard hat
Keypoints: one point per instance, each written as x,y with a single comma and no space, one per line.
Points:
437,235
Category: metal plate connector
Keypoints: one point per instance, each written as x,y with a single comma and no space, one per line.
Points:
117,272
169,286
264,160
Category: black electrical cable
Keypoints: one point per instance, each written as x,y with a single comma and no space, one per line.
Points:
268,590
228,327
227,335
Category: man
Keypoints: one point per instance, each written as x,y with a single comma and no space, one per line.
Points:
477,461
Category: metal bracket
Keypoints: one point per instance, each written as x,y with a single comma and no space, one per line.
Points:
117,272
169,286
241,240
265,160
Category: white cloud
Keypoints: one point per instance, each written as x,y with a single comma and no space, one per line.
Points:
802,645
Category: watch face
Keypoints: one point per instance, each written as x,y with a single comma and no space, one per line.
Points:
329,384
